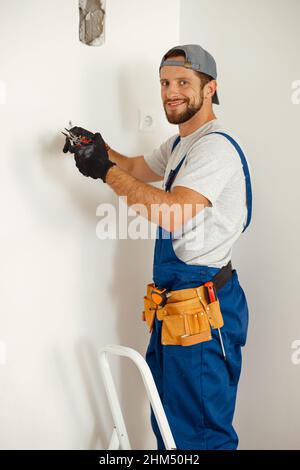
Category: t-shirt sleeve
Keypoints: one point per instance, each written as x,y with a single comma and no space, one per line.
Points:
158,159
209,166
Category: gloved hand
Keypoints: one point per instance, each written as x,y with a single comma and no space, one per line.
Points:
91,159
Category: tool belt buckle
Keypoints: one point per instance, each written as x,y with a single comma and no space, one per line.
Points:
159,296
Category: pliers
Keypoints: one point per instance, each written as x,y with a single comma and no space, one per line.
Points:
77,139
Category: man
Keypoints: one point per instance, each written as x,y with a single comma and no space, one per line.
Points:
196,368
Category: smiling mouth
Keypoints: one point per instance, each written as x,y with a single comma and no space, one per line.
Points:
174,104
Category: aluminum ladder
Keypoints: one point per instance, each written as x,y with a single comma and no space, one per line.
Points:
119,438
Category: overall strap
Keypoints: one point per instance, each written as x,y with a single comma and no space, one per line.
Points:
246,173
173,173
176,141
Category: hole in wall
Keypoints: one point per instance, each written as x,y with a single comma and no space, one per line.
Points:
91,22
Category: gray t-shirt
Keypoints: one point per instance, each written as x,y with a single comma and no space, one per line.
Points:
213,168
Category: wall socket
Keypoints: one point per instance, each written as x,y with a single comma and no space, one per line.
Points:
147,120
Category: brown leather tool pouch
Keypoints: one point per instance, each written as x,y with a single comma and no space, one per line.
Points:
214,314
186,318
148,314
185,329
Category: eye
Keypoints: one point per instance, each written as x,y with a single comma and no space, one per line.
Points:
183,82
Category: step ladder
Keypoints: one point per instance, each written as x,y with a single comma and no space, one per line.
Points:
119,438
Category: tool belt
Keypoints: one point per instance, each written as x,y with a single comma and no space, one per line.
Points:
188,315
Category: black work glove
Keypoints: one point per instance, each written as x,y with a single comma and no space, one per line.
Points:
91,159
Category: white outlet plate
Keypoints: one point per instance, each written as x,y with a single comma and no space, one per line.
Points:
147,121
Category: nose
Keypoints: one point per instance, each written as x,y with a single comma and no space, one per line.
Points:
173,91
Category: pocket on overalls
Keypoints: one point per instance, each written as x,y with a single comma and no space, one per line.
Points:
243,312
233,362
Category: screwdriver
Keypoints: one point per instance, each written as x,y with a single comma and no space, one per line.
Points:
212,297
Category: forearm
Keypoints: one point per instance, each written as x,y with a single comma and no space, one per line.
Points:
122,162
144,195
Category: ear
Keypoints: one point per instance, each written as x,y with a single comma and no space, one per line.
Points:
210,88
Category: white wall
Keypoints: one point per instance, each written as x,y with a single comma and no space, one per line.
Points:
64,292
256,45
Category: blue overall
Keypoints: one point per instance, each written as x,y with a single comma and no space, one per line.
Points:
196,385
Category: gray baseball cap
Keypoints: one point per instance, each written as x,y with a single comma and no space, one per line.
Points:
196,58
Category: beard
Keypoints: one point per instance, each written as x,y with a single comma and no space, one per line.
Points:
175,117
